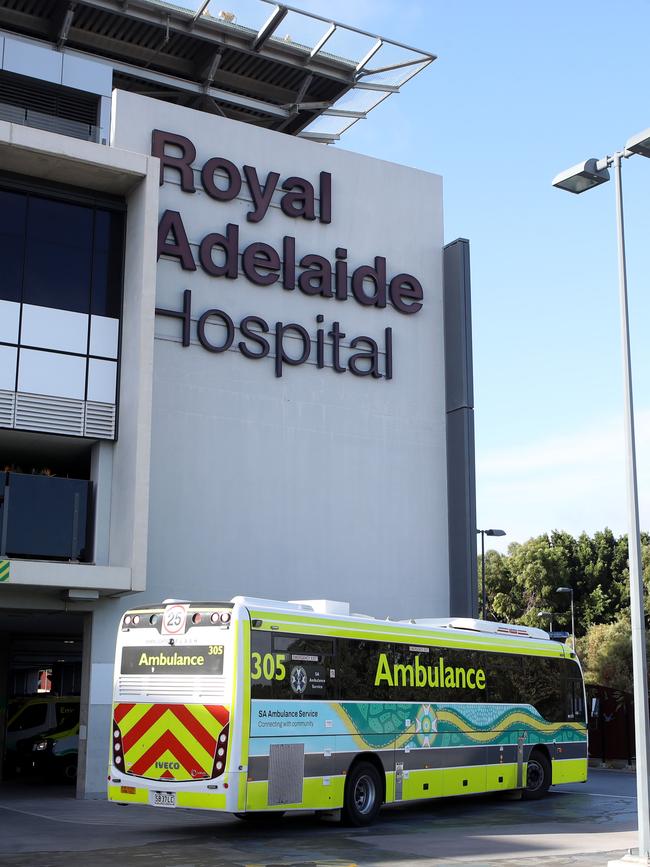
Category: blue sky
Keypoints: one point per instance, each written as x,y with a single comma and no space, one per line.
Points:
519,92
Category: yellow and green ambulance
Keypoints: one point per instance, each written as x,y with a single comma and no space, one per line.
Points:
256,707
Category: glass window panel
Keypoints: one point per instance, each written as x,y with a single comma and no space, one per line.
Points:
9,321
59,255
102,376
358,663
32,716
305,667
54,329
261,681
108,250
13,212
441,674
545,687
8,355
51,373
505,678
104,335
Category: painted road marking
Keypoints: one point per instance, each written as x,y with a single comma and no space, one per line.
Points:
595,794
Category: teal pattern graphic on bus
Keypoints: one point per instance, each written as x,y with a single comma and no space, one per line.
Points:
371,725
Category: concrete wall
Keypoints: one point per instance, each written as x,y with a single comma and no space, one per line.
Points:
318,483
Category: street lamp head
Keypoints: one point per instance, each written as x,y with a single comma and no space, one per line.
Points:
582,177
564,590
495,532
639,143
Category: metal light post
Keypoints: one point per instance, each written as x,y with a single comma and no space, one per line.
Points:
548,614
573,620
485,533
576,180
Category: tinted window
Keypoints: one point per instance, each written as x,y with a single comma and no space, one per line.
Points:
13,213
441,674
553,686
67,714
358,661
261,685
59,255
107,264
292,667
544,687
32,716
504,678
310,667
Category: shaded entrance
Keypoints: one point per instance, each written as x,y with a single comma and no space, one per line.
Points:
40,695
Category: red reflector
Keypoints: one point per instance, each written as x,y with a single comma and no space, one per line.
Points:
196,618
127,790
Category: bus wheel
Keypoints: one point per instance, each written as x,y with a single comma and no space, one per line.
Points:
538,776
363,793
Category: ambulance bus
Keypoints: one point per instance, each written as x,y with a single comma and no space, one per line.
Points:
255,707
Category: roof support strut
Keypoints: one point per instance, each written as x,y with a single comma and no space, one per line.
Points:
268,29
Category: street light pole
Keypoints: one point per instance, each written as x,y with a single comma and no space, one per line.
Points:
573,619
639,663
483,593
548,614
485,533
577,180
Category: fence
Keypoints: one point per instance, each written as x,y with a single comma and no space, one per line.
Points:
611,724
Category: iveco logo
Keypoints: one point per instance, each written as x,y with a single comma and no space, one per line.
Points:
168,766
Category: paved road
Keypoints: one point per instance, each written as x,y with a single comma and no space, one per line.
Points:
577,825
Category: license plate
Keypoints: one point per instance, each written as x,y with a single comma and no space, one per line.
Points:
163,799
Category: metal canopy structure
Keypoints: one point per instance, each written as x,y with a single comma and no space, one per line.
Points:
213,63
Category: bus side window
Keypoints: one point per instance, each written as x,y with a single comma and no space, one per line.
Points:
505,678
545,686
261,685
303,667
361,666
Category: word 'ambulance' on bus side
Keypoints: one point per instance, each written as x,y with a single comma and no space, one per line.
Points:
254,706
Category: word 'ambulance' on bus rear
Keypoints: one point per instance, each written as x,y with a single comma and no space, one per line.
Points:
255,706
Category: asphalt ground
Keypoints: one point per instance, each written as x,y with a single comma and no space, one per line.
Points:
576,824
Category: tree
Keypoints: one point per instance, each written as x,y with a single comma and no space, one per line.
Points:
606,654
524,582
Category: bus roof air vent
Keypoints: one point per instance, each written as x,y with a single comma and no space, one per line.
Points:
269,604
508,630
325,606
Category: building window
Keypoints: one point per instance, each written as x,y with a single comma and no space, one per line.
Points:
60,309
54,107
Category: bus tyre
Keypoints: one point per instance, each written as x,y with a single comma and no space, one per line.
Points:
538,776
363,795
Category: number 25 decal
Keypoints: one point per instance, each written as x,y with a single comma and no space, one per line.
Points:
270,666
174,619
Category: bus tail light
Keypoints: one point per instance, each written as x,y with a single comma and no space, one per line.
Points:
220,753
118,750
196,618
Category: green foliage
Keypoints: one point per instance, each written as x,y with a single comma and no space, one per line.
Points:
524,582
606,654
